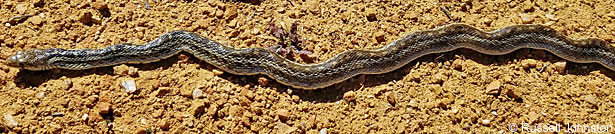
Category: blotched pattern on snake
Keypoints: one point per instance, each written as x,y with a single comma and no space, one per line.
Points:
251,61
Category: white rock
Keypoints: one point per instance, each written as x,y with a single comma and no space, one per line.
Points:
143,121
129,85
197,93
485,122
323,131
455,111
40,95
8,119
84,117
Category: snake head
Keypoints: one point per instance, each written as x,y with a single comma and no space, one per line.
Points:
30,60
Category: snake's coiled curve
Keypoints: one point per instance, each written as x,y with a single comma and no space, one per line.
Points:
251,61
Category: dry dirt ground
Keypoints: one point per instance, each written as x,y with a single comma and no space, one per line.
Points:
459,91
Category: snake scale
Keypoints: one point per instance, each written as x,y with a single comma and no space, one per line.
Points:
252,61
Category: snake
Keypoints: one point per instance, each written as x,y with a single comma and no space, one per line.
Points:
347,64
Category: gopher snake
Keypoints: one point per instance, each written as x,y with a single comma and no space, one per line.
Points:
251,61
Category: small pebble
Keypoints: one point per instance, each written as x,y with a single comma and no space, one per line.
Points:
533,117
84,117
120,70
457,64
235,111
526,18
21,8
140,130
29,92
283,114
350,96
391,98
129,86
307,56
186,92
67,84
439,78
143,121
444,102
323,131
256,31
85,17
560,66
485,122
370,14
234,33
219,14
132,71
103,107
230,13
514,93
550,17
163,91
36,20
494,87
487,21
591,99
59,114
281,10
262,81
40,95
611,14
38,3
197,107
507,78
164,125
528,63
217,72
527,6
100,5
283,128
197,93
8,119
380,36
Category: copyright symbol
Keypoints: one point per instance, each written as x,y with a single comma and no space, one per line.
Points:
512,127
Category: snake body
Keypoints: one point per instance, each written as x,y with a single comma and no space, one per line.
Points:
252,61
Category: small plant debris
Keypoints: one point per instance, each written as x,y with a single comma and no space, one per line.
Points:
289,43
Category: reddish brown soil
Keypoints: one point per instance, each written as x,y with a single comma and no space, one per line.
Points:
459,91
